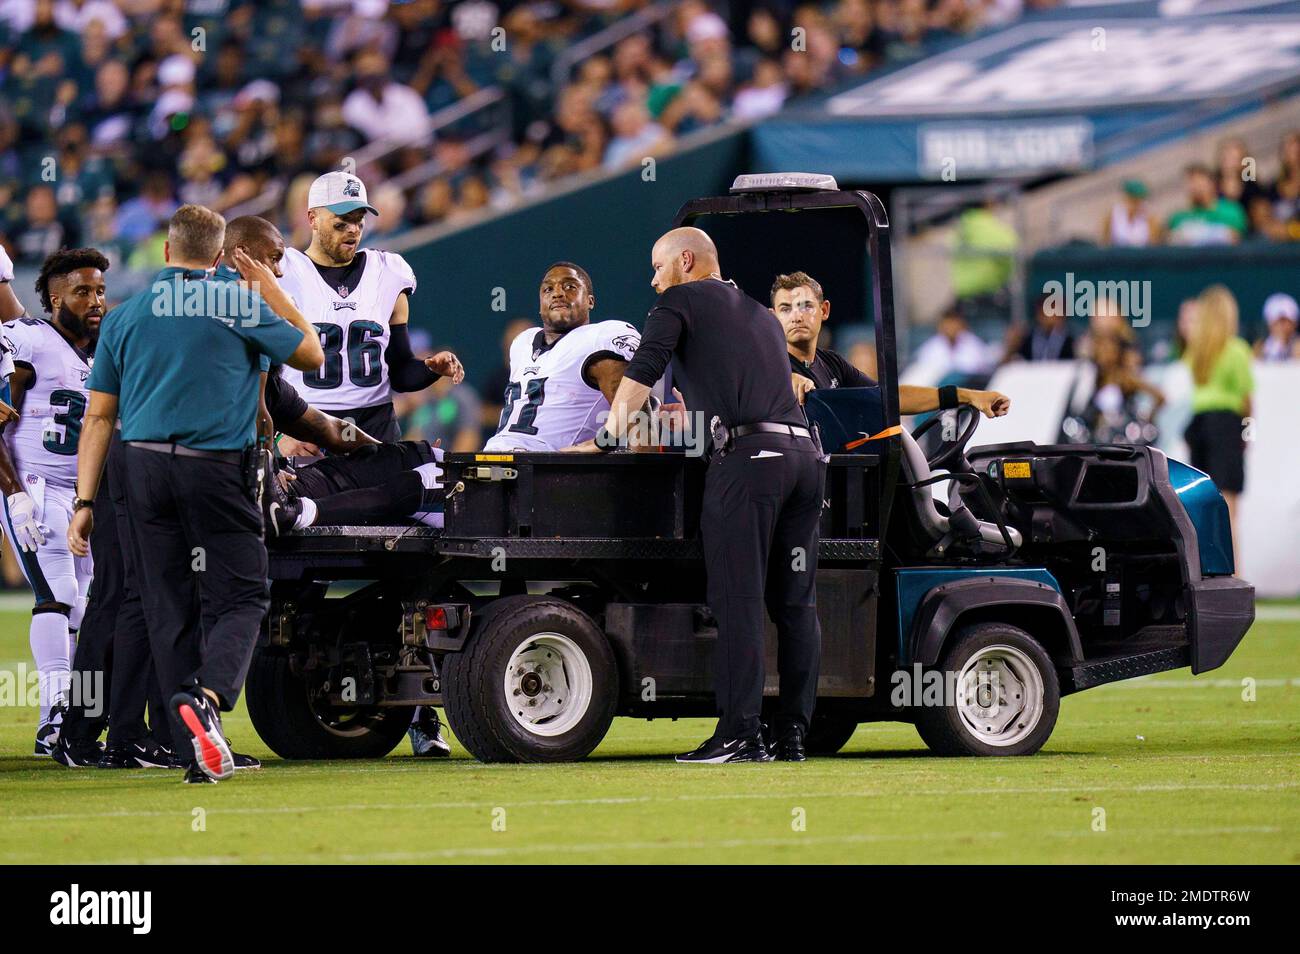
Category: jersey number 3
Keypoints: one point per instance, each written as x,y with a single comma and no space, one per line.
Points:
65,442
363,358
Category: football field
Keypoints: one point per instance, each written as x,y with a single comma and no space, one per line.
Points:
1171,768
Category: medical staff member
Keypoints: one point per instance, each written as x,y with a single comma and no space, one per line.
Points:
762,492
179,363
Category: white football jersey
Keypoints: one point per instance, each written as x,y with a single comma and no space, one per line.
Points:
549,405
6,266
44,440
353,328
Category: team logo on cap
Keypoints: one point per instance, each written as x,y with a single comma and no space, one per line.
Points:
352,188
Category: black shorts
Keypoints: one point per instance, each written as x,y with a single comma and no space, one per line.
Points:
1214,439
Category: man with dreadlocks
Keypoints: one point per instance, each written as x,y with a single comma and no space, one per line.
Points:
51,362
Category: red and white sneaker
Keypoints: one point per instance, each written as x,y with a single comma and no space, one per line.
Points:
201,720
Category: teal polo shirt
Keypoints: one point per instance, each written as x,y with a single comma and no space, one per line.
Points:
183,358
226,273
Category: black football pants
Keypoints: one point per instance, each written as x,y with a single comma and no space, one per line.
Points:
759,524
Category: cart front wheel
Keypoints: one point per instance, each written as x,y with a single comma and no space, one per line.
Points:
1000,695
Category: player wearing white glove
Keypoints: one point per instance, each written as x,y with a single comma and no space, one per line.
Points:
45,367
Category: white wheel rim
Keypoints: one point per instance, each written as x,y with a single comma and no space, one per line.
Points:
1000,695
548,684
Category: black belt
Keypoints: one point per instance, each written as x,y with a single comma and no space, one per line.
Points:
766,427
180,450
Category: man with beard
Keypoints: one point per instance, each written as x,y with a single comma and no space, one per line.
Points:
358,301
51,359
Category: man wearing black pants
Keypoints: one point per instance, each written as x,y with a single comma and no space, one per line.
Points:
191,473
115,640
763,490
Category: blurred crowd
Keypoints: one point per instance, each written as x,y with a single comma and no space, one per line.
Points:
1226,203
114,112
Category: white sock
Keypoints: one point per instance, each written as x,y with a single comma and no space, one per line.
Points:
307,515
49,638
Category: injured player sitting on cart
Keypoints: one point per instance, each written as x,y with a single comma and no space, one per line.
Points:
562,377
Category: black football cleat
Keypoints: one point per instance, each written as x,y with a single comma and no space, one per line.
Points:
197,712
47,733
244,761
426,735
193,776
76,753
144,753
279,508
789,745
718,751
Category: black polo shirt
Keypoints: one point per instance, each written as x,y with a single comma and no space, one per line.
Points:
728,354
831,370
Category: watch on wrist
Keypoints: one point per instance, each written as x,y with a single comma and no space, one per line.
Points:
80,503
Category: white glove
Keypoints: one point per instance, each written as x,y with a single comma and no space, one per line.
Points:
22,514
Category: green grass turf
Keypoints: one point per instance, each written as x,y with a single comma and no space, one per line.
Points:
1184,769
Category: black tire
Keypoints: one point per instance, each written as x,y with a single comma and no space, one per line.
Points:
479,709
829,733
943,727
281,708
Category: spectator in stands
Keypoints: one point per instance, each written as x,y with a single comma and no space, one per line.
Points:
1129,223
1221,397
43,232
1280,341
1276,212
1236,180
764,94
1049,338
151,210
381,109
1208,219
954,349
635,137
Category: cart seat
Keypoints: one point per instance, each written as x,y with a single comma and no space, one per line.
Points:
941,527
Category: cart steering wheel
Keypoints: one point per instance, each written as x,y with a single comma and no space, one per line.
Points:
951,455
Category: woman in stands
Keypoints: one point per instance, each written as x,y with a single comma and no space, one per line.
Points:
1222,386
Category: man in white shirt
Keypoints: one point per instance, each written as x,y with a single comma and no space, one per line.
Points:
381,109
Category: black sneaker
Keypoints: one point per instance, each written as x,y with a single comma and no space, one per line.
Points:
193,776
281,509
76,753
198,714
145,753
244,761
716,751
789,745
426,736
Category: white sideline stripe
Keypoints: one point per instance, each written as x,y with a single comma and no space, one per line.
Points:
792,841
652,799
1153,682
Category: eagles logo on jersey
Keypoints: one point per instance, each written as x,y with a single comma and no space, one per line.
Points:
353,327
550,402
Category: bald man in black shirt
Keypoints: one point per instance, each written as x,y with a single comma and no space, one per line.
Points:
763,490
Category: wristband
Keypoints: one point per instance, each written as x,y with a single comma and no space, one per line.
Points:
605,441
948,397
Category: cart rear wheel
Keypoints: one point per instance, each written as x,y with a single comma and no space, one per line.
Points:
1001,695
829,733
537,682
295,719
